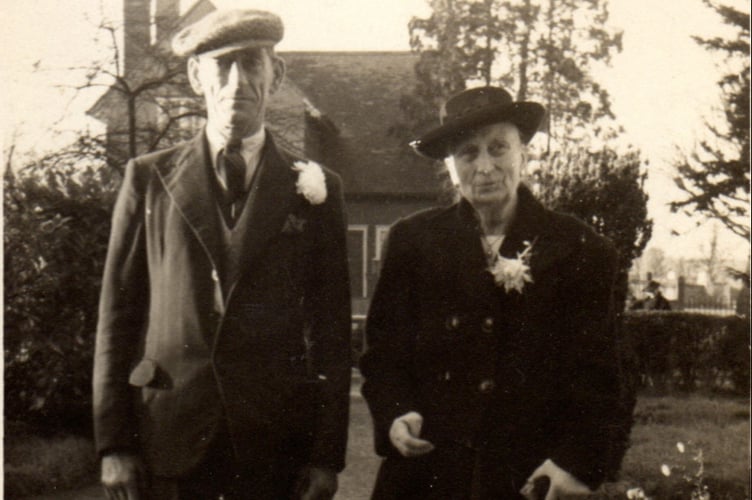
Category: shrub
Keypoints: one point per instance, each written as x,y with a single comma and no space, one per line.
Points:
675,349
56,225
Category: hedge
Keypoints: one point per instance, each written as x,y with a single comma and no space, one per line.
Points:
689,351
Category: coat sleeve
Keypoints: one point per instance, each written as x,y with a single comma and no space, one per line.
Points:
590,415
331,326
122,317
390,339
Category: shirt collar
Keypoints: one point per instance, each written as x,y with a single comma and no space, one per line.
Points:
250,147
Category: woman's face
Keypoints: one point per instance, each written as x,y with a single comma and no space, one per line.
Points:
489,164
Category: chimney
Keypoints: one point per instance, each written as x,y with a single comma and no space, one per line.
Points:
137,33
166,18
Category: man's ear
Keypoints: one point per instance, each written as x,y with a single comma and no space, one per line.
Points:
278,67
193,75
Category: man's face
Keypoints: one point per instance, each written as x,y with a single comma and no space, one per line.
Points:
489,164
236,87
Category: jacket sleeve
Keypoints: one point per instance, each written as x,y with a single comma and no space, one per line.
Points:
390,339
122,317
331,326
589,414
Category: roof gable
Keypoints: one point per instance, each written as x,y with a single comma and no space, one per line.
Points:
360,92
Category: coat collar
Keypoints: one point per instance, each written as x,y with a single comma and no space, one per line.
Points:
272,198
187,180
532,223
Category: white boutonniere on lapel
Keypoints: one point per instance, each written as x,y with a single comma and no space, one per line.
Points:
311,181
512,274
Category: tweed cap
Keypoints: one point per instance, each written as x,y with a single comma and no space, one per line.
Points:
225,31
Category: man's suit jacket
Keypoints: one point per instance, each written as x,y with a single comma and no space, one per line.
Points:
177,349
519,376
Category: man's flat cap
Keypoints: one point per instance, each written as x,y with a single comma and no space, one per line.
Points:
225,31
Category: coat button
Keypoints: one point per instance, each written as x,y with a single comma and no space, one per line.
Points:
444,377
488,324
487,386
452,322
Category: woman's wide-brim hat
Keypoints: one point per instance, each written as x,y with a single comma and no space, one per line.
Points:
474,108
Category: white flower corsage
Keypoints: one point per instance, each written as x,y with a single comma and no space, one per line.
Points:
513,273
311,181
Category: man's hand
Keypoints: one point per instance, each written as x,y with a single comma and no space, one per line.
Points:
404,435
123,476
317,483
563,484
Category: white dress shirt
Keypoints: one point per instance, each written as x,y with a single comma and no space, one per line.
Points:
250,150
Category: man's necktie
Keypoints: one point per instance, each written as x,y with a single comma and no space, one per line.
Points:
231,161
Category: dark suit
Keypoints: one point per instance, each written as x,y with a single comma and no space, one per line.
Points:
186,350
503,380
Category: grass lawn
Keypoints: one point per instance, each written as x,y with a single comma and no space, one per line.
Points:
34,464
717,426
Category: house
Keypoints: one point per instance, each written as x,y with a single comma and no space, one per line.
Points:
338,108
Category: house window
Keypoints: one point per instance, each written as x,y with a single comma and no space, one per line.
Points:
357,256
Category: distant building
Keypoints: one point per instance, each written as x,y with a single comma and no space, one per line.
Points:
337,108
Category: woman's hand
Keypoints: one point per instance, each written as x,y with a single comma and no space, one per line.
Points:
404,435
562,483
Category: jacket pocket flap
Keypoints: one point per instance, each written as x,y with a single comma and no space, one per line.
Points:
143,374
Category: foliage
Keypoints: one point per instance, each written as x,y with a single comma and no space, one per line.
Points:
605,190
544,48
56,224
690,351
716,176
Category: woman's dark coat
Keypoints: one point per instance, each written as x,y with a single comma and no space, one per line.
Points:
503,380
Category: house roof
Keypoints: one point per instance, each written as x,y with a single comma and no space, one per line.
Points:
360,93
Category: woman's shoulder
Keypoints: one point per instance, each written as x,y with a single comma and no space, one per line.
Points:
424,220
580,236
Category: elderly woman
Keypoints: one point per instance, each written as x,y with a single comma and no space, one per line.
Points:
491,362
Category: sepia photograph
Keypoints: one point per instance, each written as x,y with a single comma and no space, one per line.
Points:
375,249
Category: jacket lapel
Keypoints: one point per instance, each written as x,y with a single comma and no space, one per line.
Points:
270,200
472,276
187,182
531,225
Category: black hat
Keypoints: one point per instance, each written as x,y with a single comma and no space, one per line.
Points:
475,108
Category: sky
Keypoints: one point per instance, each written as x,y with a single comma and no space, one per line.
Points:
663,85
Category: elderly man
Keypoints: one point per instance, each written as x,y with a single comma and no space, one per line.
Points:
491,369
222,358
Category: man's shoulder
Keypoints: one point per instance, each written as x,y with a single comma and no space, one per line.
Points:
161,156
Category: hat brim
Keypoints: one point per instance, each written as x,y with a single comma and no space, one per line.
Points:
526,116
237,47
